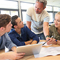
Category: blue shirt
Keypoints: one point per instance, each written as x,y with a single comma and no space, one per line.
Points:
6,41
26,34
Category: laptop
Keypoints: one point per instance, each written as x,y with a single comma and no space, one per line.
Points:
29,49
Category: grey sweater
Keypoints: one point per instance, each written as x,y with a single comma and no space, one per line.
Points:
6,41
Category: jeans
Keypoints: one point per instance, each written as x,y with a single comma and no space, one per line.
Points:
41,36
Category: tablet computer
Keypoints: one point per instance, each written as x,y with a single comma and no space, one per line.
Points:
29,49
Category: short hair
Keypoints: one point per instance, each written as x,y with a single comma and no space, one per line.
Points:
13,22
4,20
42,1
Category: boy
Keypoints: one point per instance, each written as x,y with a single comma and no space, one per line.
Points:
20,34
5,26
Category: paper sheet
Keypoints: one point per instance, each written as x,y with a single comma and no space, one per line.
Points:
48,51
44,44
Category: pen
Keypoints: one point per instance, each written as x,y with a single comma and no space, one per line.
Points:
47,41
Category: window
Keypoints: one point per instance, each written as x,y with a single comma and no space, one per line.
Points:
14,13
8,4
24,17
5,12
56,8
9,7
26,5
48,8
51,17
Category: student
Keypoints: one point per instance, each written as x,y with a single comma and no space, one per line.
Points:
38,19
5,26
54,30
20,34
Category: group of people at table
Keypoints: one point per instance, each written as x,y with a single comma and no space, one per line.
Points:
37,25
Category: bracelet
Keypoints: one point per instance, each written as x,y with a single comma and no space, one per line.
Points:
47,36
56,40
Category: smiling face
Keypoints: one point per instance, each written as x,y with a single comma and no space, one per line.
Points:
57,21
39,7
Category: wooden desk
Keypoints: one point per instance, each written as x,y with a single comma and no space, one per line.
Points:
2,51
47,58
41,58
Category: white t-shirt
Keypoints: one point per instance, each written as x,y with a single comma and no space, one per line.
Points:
37,19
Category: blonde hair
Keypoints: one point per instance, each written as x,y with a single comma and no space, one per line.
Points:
58,13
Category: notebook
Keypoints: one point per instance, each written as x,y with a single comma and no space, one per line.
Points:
30,49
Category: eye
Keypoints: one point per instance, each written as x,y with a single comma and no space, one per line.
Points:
20,21
58,20
38,8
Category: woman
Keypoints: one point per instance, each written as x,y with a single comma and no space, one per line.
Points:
54,30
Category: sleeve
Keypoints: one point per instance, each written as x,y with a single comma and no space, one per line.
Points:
9,44
32,35
46,19
29,13
15,40
28,18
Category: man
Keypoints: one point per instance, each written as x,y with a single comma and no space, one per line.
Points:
37,19
20,34
5,26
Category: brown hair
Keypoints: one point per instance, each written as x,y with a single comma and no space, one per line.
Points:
4,20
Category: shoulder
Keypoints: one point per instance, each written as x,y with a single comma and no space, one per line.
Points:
45,12
12,31
52,27
5,34
30,11
25,27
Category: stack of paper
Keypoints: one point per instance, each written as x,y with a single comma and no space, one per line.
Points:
49,51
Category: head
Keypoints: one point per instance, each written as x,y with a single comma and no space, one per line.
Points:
16,22
57,20
5,23
40,5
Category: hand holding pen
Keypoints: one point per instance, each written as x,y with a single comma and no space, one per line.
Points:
51,41
48,40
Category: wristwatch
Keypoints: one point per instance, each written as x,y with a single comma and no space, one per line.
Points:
47,36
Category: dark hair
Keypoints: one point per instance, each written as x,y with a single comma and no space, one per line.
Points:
4,20
13,20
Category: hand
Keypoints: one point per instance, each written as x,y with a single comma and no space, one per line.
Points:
28,42
58,42
34,42
49,42
53,41
14,55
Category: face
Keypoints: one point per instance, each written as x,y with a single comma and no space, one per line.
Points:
57,21
19,23
8,27
39,7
